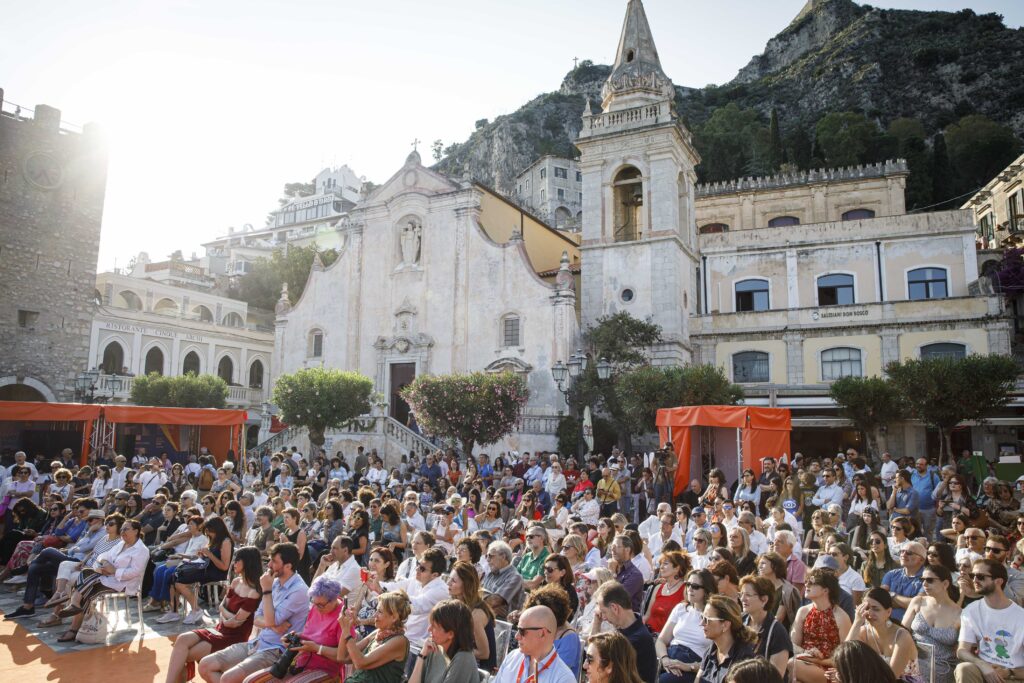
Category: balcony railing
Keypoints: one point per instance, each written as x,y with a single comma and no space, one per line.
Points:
238,396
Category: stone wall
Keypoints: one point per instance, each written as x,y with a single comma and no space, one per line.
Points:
52,185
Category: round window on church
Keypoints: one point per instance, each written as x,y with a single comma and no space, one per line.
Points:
627,295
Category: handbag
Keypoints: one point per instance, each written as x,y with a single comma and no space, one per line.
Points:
52,542
191,571
4,504
93,630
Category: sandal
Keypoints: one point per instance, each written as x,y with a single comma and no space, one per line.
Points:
57,599
70,611
52,620
67,636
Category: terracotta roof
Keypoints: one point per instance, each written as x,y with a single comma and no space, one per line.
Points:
573,268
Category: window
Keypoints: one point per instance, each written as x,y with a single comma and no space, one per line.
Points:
749,367
986,227
113,359
628,295
191,363
835,289
561,173
579,176
316,344
226,369
927,283
840,362
510,331
944,350
629,201
712,228
1013,211
154,361
543,173
256,374
858,214
783,221
543,194
752,295
561,193
27,318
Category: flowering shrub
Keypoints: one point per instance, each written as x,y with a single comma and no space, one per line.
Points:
479,407
322,398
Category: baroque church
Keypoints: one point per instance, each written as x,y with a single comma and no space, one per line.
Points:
786,282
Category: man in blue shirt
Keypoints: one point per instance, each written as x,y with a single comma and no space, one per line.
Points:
924,481
905,583
626,572
431,470
284,606
904,501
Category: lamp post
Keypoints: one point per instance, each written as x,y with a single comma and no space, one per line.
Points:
86,386
565,376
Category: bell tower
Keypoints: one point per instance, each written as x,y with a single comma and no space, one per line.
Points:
639,246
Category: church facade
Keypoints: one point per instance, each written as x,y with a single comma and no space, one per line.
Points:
787,283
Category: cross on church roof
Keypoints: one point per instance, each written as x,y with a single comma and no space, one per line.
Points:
415,142
575,62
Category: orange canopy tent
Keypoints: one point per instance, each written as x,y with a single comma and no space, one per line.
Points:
31,411
220,428
763,432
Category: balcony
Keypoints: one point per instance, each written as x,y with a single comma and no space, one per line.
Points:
238,396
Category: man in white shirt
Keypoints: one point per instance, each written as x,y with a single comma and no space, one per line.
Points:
992,626
192,469
119,474
758,542
534,472
413,519
150,480
342,565
21,460
668,532
829,492
377,474
888,473
139,460
424,591
652,525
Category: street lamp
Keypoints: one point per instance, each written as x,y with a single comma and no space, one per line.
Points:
559,371
85,386
604,369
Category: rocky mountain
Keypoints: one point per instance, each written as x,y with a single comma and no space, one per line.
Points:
834,56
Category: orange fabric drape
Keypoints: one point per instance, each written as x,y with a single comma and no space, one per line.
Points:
32,411
765,432
174,416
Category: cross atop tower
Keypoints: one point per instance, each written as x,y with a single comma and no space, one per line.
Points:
575,63
415,142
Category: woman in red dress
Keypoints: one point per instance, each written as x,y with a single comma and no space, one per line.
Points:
672,569
235,624
819,627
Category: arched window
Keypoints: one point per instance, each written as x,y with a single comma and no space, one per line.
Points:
752,295
203,313
858,214
226,369
927,283
629,202
113,358
944,350
233,320
128,299
166,307
562,217
783,221
841,362
749,367
190,364
712,228
154,361
510,333
836,289
315,348
256,374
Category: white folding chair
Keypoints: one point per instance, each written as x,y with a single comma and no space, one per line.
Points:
127,606
926,653
502,638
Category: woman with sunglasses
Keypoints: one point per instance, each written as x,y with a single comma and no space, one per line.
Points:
236,618
610,658
934,618
952,498
879,560
558,570
901,533
819,627
29,522
749,488
874,627
731,641
682,644
703,546
119,570
860,538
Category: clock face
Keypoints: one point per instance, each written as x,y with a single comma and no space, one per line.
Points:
43,171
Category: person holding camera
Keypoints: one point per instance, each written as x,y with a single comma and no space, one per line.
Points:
311,655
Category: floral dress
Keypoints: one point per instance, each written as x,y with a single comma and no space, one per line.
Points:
821,631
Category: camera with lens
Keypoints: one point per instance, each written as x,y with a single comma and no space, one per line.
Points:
283,665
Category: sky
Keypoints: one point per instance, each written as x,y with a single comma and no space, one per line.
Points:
210,106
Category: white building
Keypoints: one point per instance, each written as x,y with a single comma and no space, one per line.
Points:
552,187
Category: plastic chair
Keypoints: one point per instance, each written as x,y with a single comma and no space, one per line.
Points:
502,638
926,652
485,676
128,606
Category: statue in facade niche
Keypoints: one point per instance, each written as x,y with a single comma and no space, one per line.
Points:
410,240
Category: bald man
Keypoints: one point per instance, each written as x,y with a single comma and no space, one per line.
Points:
536,657
905,583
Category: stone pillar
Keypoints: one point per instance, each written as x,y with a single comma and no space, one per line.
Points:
792,280
794,357
137,363
890,347
175,359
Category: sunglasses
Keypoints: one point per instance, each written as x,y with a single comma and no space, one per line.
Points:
695,586
991,549
930,579
980,577
523,630
704,621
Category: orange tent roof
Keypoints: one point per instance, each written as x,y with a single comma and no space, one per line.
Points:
738,417
174,416
32,411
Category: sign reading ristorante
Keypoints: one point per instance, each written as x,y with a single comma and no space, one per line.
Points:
153,331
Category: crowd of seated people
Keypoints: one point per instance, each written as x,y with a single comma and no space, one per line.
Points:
820,569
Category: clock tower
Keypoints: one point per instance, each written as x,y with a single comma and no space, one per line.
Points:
639,246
